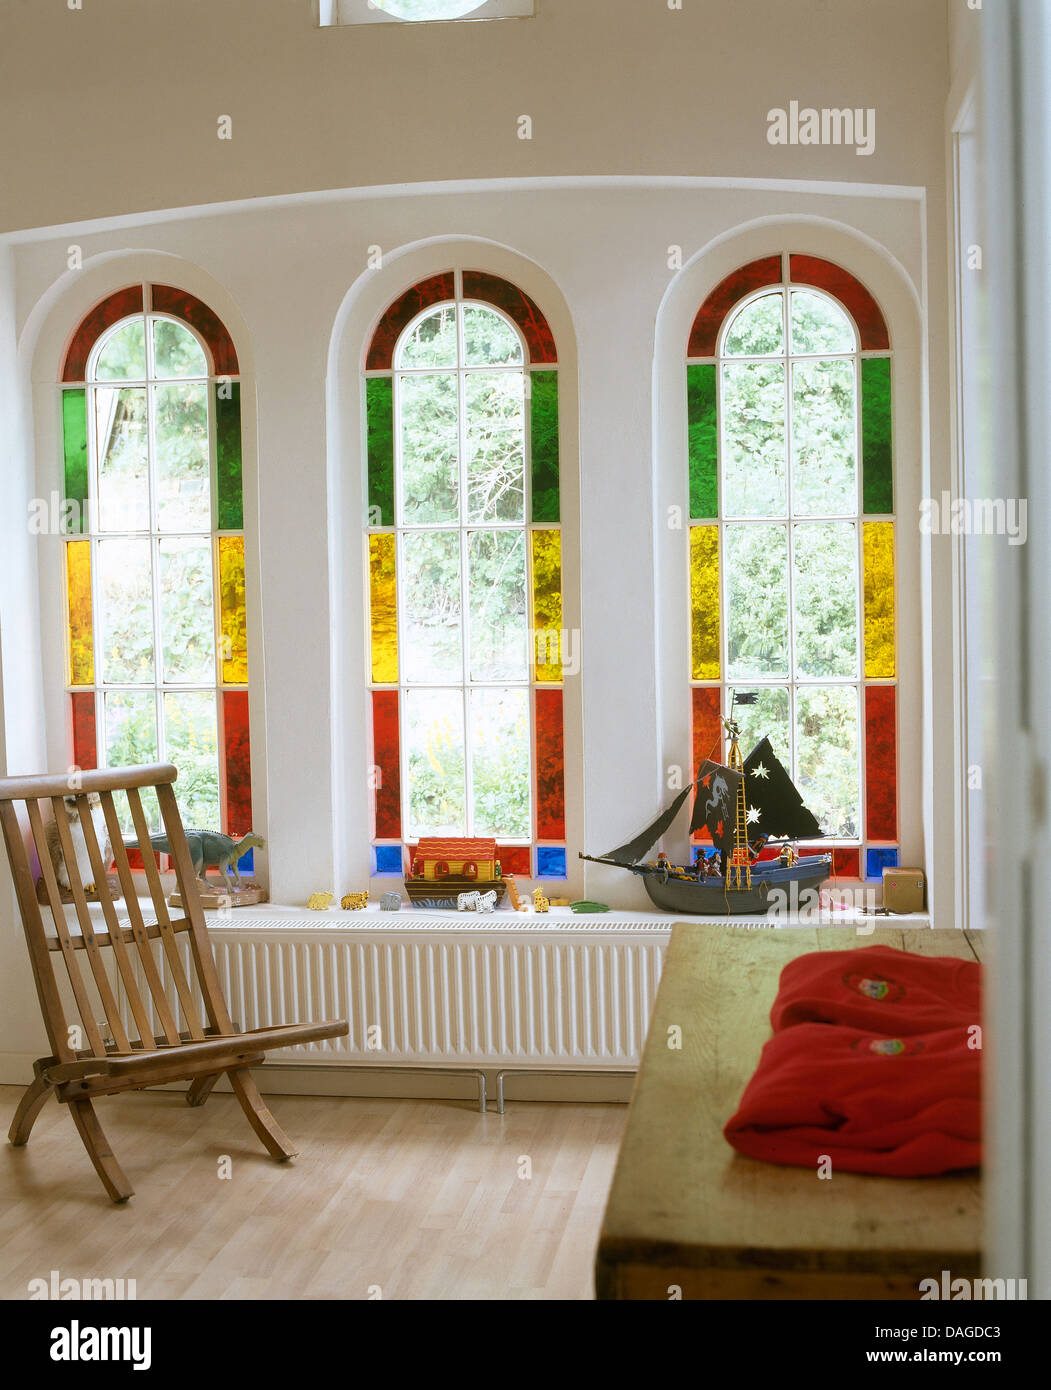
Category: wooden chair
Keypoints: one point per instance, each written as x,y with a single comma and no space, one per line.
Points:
85,1064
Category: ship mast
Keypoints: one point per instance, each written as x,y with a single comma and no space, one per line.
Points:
739,869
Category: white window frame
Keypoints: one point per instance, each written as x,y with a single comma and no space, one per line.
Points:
463,527
793,683
152,533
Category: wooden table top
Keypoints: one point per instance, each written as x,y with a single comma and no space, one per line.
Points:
681,1196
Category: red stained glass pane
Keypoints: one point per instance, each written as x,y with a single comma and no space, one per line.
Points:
707,735
386,755
85,751
517,306
709,320
181,305
515,859
846,863
812,270
237,763
94,324
881,761
550,767
433,291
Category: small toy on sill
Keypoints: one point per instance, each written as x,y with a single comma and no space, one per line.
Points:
211,850
540,903
390,902
320,902
80,851
475,902
354,902
511,884
588,905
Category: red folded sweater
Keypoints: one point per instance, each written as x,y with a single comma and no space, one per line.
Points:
903,1107
874,1064
878,987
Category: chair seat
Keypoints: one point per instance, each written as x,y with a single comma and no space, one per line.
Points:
128,1064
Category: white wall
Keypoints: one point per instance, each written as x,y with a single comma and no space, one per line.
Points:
112,108
22,747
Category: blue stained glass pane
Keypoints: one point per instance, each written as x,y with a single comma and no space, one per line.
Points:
876,860
246,864
550,863
389,860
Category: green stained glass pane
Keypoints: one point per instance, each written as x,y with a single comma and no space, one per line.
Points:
75,447
703,441
876,451
228,455
543,418
379,407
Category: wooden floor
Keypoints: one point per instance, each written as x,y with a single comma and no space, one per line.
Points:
420,1198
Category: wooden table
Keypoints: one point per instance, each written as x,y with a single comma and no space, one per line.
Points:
686,1210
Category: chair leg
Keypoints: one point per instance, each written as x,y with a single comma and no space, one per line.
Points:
201,1088
275,1140
29,1107
99,1151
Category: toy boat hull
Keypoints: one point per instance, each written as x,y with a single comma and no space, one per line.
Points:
445,891
711,897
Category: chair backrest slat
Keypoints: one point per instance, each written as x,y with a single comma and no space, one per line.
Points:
176,841
87,926
58,913
138,926
51,1006
116,935
200,945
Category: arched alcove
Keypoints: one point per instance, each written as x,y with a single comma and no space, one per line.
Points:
875,292
58,344
386,290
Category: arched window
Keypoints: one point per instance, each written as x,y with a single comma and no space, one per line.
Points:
465,573
157,647
792,540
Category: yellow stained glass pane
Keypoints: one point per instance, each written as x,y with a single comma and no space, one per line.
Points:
547,604
232,610
878,545
383,609
704,602
81,627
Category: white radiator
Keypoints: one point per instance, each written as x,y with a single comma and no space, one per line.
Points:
434,992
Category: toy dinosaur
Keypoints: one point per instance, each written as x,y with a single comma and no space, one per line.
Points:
210,850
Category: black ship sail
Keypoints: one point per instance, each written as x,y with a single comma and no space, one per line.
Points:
775,807
716,806
646,839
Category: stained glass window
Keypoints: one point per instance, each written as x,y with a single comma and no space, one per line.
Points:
157,665
464,548
791,545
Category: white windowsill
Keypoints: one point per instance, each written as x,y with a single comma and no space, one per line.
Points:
265,917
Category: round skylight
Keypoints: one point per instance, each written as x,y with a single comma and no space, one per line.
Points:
428,9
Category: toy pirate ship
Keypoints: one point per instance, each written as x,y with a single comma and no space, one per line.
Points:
441,869
743,804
